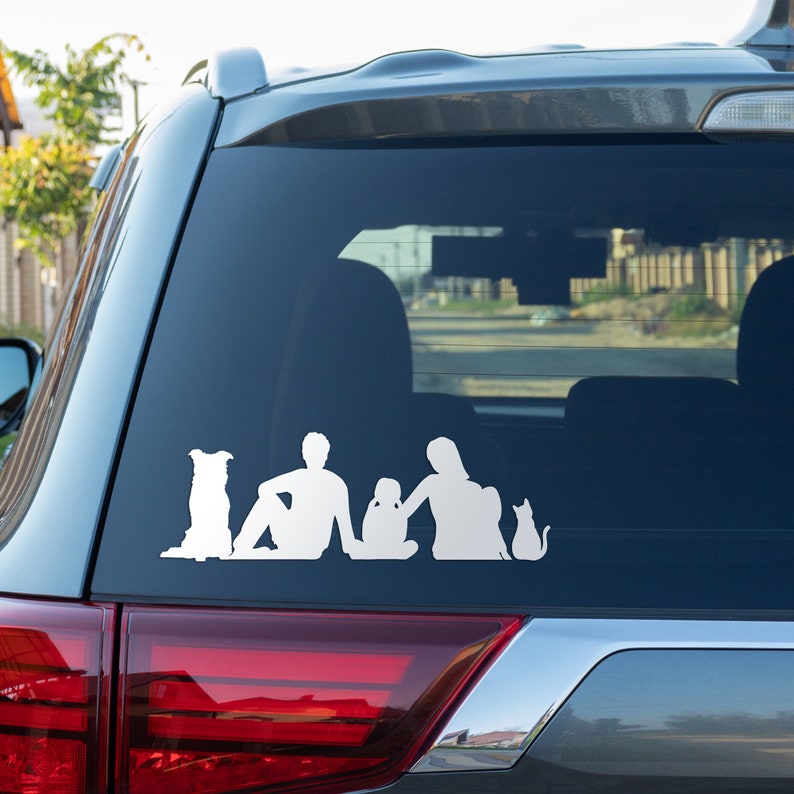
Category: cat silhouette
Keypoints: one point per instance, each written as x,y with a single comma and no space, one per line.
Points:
528,544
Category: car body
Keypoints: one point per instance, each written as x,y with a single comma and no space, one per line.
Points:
421,427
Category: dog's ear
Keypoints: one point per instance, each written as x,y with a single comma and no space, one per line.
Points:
194,453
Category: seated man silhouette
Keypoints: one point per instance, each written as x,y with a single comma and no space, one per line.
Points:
303,530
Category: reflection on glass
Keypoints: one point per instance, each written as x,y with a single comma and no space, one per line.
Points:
656,310
14,380
679,713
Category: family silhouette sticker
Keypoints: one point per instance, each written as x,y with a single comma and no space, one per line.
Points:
466,515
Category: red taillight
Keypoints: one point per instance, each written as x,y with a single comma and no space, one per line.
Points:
218,700
53,697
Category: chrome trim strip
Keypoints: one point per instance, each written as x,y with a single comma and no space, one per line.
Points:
546,661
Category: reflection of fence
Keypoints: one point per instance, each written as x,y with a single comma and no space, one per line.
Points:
722,271
28,291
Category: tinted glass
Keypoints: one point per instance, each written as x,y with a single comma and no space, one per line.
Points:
708,714
14,380
381,371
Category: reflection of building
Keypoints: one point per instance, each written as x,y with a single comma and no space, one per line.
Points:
9,115
722,270
504,740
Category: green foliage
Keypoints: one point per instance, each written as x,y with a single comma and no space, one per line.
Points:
26,330
79,97
693,314
6,441
605,292
44,188
44,181
694,306
737,308
487,306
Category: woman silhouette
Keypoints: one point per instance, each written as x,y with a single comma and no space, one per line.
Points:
466,515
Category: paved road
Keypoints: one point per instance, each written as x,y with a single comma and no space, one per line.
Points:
487,356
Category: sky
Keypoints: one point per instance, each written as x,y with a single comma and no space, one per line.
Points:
179,33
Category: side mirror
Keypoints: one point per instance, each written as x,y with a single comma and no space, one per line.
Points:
19,360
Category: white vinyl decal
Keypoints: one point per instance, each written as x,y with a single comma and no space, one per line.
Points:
303,530
527,543
209,534
466,515
385,526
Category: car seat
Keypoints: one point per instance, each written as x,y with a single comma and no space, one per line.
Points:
765,352
650,451
347,372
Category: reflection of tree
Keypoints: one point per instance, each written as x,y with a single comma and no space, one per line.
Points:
680,745
781,725
569,722
733,724
739,723
613,725
717,739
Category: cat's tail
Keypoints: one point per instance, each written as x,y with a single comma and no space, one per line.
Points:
544,545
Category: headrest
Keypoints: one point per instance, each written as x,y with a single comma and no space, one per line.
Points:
634,408
765,348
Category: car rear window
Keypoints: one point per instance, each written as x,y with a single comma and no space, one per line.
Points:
475,373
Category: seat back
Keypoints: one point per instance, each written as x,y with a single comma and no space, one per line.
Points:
667,418
765,348
347,372
651,451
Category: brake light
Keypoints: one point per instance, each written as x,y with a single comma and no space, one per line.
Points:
219,700
53,697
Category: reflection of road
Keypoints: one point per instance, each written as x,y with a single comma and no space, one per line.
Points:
507,356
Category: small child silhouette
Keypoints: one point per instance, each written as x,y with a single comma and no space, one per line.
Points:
385,526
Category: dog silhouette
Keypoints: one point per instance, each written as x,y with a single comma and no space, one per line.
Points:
209,534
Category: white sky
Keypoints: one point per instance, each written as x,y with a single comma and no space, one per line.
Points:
310,33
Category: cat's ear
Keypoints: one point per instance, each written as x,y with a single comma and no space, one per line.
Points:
516,509
526,502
